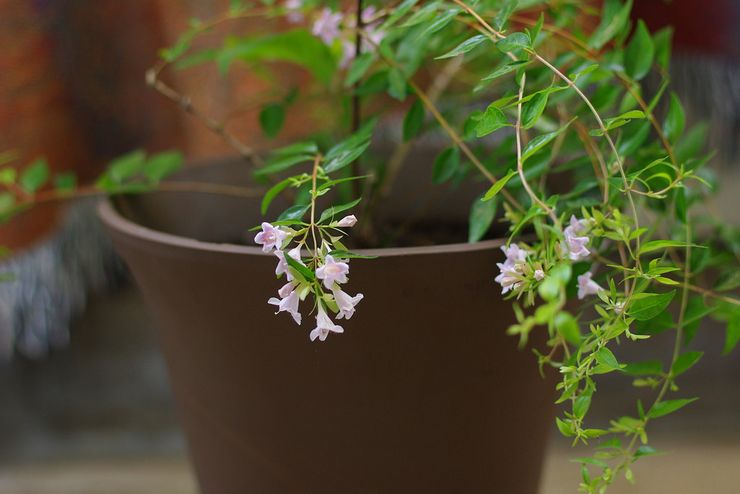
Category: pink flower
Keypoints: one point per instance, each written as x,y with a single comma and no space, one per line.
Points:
270,237
324,326
282,265
586,286
294,15
514,253
511,274
326,26
347,221
539,275
345,302
332,271
288,303
575,245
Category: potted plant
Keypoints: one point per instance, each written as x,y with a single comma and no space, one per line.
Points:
403,380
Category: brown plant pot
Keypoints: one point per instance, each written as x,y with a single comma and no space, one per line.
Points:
423,393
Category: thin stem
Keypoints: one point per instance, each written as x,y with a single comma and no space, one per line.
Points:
520,163
356,100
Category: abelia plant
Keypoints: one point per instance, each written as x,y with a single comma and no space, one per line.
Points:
559,112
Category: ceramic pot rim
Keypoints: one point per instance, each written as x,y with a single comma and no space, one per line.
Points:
110,215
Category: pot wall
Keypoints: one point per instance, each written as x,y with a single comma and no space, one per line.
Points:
424,392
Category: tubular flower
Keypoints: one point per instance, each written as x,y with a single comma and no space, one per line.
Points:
270,237
587,286
282,265
347,221
345,302
289,303
326,26
324,326
332,271
575,242
511,269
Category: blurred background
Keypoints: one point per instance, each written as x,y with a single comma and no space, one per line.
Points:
84,399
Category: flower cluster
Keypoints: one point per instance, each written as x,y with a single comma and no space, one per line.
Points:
338,28
320,275
515,270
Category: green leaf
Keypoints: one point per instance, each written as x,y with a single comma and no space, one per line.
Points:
162,165
532,110
297,46
491,120
8,176
481,217
505,69
567,326
397,13
646,368
7,202
565,428
464,47
663,408
503,14
65,182
581,406
663,41
446,165
613,19
294,213
359,68
350,149
281,163
732,336
34,176
345,254
685,362
397,84
646,306
122,169
439,23
606,358
500,184
272,118
414,120
728,281
654,245
307,274
539,142
272,193
513,42
331,213
638,57
675,119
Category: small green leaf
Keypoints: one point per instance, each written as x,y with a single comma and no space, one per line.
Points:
654,245
162,165
638,57
350,149
8,175
307,274
34,176
669,406
281,163
500,184
491,120
613,19
272,193
565,428
567,326
465,46
675,119
732,336
414,121
446,165
539,142
663,41
294,213
685,362
65,182
514,41
606,358
503,14
646,306
481,218
272,118
331,213
359,68
646,368
581,406
532,110
397,84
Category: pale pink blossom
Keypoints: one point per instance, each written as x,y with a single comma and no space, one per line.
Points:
282,265
288,303
346,302
587,286
324,326
575,242
371,29
270,237
326,26
514,253
539,275
294,14
511,269
347,221
332,271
